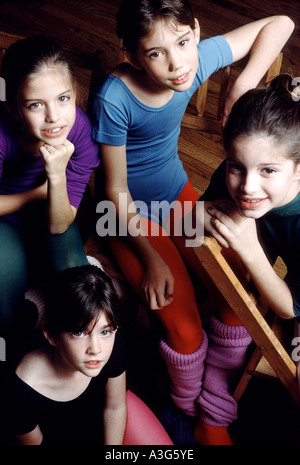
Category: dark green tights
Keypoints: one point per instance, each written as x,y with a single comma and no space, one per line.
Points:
28,256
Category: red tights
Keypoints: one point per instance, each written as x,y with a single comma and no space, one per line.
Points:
181,318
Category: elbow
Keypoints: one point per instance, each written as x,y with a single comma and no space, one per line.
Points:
57,231
60,228
287,314
58,224
287,24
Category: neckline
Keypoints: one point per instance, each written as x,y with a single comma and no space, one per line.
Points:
50,398
138,102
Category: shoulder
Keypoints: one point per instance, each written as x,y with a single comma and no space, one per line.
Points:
81,136
82,121
33,367
116,86
214,53
216,43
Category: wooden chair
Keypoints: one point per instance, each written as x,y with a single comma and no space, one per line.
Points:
270,357
200,120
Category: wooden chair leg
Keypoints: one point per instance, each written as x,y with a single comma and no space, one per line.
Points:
247,374
218,270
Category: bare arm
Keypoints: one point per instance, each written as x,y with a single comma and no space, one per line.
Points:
115,410
239,233
11,203
270,286
60,213
264,39
158,280
34,438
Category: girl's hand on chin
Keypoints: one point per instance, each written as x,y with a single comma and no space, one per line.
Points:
56,159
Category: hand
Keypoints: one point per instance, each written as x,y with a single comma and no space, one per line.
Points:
56,159
202,218
235,92
231,229
158,284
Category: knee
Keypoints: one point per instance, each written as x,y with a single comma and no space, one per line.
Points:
185,336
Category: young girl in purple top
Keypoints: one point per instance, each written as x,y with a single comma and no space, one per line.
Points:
46,159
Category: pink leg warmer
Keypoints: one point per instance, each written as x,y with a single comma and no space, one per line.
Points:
186,372
226,356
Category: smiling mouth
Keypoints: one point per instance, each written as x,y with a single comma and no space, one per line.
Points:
251,204
53,132
181,79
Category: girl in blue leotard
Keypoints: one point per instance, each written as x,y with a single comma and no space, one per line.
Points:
137,116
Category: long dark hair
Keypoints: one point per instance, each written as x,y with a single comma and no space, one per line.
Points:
76,297
136,18
272,112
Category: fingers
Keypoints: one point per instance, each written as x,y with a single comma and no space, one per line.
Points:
65,149
218,231
219,222
56,159
47,147
160,298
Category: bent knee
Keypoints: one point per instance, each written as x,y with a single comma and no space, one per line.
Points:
185,336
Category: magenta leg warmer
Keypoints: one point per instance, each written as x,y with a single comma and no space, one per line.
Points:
226,357
186,373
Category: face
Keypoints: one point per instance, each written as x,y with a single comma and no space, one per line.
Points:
260,176
47,107
86,352
169,55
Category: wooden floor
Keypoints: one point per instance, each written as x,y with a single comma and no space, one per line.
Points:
89,25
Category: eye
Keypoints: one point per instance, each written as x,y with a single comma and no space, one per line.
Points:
268,171
64,98
234,167
107,332
182,43
78,334
155,54
35,105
